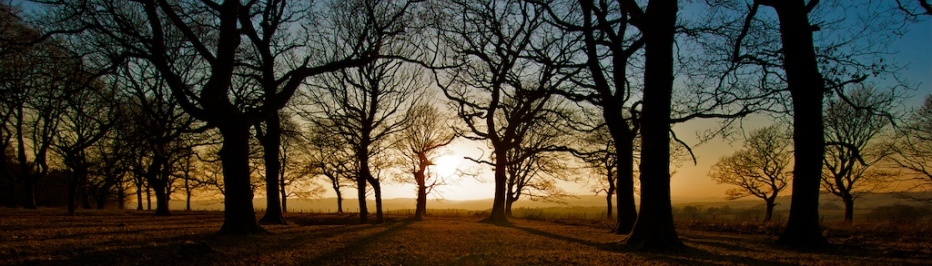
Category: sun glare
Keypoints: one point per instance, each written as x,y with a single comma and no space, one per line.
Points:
447,165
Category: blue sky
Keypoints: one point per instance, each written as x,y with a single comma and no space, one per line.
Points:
915,48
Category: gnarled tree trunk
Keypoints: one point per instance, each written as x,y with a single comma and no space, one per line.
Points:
271,147
239,217
654,228
806,88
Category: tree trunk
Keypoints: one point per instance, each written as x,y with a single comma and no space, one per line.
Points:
284,202
101,199
508,203
421,208
29,193
654,228
239,217
148,196
10,186
361,193
608,202
161,199
339,200
187,192
769,212
849,207
271,147
377,190
78,165
282,191
121,196
157,177
139,196
84,194
497,216
627,210
806,89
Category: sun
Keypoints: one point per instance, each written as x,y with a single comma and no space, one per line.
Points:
446,165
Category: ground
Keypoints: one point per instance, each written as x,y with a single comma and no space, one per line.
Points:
48,237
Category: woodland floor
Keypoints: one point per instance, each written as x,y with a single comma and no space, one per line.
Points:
48,237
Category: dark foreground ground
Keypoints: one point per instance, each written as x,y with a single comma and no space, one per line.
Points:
47,237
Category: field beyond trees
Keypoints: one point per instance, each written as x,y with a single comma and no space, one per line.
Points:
47,237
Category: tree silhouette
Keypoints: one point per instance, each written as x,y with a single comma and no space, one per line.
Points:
420,142
912,148
852,132
506,70
760,169
220,36
654,228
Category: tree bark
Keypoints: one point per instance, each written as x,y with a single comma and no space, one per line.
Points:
508,203
29,193
78,165
624,149
161,199
361,194
84,194
149,196
239,217
10,186
377,191
806,88
497,216
339,200
421,208
612,108
101,199
849,207
654,228
157,177
608,202
187,191
271,146
768,215
139,196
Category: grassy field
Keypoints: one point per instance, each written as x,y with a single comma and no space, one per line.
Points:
48,237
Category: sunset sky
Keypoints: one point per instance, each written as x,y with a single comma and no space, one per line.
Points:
689,181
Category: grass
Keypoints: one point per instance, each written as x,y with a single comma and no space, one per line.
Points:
48,237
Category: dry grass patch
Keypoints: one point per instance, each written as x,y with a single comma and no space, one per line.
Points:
47,237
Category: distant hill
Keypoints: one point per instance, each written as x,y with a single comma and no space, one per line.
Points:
868,201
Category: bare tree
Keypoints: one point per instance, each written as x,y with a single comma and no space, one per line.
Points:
760,169
367,105
35,83
220,36
428,131
86,118
845,51
654,228
852,132
507,69
912,149
539,160
602,162
609,46
915,8
111,160
329,157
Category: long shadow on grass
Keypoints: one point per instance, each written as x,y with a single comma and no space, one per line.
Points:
356,246
159,251
562,237
690,256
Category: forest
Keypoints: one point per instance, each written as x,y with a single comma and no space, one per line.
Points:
109,103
